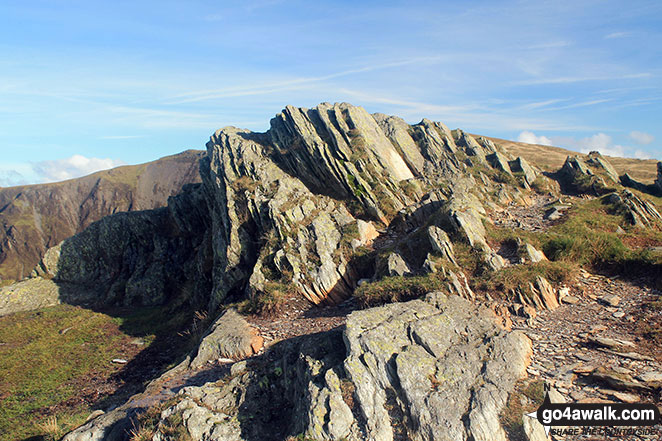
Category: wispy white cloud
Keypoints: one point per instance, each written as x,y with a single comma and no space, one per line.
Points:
531,138
292,84
580,79
616,35
483,115
73,167
122,137
641,138
539,104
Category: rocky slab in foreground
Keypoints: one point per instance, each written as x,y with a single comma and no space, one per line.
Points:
438,368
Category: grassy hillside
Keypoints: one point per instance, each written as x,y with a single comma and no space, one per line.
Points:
550,158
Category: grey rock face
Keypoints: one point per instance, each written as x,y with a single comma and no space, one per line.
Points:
441,243
396,266
28,295
530,253
658,180
444,366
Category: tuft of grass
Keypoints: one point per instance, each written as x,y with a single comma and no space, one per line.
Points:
51,429
269,300
397,289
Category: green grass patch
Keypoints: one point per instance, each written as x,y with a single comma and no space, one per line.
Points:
42,355
54,361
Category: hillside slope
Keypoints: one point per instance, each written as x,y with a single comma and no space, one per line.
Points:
36,217
552,158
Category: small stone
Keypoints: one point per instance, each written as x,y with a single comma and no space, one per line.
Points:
119,361
625,397
533,372
584,370
597,328
577,395
570,300
611,343
610,300
238,368
618,314
650,377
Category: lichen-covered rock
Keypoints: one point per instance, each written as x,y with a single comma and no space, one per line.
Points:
539,294
229,337
136,258
441,243
465,212
440,362
500,162
27,295
396,266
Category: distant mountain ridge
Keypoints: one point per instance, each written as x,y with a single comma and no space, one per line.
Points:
34,218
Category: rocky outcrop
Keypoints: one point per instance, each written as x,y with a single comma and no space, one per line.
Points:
36,217
658,180
428,369
637,211
595,159
539,294
520,165
28,295
286,209
594,175
529,253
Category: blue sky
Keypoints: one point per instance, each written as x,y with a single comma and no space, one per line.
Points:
91,84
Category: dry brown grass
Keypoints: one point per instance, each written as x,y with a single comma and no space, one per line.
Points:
551,159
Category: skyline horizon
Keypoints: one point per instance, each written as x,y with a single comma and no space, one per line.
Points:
85,86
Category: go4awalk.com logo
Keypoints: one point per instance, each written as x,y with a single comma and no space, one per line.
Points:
597,418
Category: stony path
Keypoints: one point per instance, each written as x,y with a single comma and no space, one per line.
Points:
528,218
299,317
592,351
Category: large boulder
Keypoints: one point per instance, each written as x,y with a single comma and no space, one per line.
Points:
27,295
229,337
